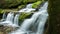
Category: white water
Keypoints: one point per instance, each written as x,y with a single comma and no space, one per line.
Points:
42,15
16,19
27,9
4,16
9,20
13,21
10,17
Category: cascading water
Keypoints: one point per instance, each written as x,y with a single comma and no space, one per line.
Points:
27,9
4,16
42,17
29,6
10,17
9,20
16,19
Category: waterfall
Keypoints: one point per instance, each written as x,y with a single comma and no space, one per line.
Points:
38,19
41,15
42,19
16,19
27,9
9,20
28,22
4,16
10,17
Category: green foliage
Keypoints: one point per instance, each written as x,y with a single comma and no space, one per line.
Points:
36,4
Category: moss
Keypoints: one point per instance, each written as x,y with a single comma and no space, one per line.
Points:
24,16
36,4
20,7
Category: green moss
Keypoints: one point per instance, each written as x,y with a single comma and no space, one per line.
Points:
24,16
36,4
20,7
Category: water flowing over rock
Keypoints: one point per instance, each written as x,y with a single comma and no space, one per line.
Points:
4,16
9,20
42,16
16,19
27,9
37,19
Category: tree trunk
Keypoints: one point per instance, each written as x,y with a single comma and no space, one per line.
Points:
54,16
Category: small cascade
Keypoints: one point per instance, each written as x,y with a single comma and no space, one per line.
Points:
42,19
10,17
38,19
9,20
29,6
26,24
44,6
41,15
16,19
27,9
4,16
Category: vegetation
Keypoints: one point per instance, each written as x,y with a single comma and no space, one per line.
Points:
24,16
36,4
14,3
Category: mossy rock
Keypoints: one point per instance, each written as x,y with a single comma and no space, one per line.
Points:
24,16
7,10
13,3
36,4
